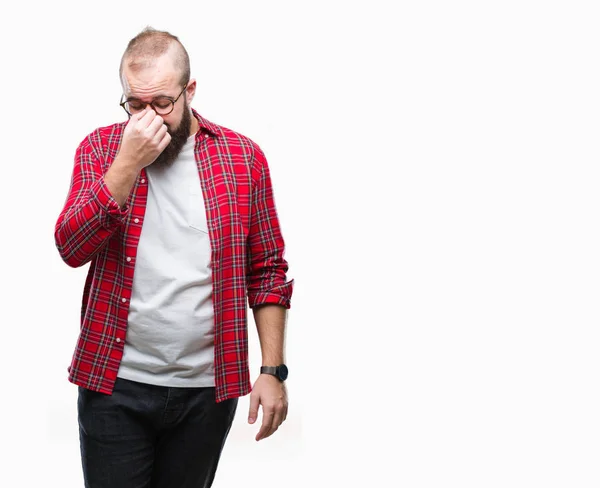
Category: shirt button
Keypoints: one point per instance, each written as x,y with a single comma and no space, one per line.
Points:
136,221
143,180
128,259
123,300
118,339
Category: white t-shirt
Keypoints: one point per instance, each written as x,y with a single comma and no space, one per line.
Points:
170,332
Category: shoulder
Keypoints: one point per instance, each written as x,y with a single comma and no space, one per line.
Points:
233,141
253,156
102,139
237,138
103,136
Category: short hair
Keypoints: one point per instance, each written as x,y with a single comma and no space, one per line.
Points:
150,44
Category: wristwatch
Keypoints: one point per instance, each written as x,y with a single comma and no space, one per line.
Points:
280,372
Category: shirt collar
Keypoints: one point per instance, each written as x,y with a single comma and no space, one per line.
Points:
205,124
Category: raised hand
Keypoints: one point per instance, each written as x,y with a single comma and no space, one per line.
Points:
144,138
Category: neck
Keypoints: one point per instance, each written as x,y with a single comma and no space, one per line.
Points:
194,126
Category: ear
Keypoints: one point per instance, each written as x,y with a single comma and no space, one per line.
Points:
190,91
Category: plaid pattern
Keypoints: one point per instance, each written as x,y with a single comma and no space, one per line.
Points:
248,265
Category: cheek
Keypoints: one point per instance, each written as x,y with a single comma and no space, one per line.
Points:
172,120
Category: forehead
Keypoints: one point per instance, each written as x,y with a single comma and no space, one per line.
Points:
149,78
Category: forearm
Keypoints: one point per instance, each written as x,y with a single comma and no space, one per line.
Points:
89,219
92,213
271,326
120,179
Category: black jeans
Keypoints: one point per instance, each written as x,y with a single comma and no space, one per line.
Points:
145,436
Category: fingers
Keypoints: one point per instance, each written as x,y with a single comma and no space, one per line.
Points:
145,137
155,124
146,121
146,117
273,417
253,412
266,429
135,119
160,134
164,142
137,116
162,130
277,421
149,127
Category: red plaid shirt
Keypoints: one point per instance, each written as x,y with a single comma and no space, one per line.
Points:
247,251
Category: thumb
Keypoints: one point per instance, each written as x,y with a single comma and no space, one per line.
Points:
253,413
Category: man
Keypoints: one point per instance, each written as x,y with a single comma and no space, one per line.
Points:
176,217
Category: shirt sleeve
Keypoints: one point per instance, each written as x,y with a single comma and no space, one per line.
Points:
90,215
266,248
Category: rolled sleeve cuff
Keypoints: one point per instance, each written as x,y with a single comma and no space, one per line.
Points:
278,295
112,213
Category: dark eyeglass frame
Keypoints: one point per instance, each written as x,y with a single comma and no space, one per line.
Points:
159,111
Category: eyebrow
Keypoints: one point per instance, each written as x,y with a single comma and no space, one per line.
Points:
129,99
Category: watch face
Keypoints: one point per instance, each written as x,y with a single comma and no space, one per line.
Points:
283,372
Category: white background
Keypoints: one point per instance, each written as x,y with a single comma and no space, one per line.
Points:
435,167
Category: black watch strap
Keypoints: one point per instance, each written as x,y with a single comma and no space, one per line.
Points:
280,372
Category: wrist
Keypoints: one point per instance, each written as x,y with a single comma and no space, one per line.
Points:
280,371
126,165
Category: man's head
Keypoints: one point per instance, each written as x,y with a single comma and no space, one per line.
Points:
155,65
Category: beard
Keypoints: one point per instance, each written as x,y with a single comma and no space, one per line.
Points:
179,137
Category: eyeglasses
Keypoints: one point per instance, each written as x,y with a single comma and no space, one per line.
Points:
161,105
